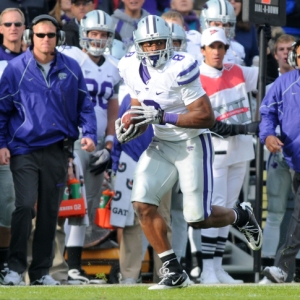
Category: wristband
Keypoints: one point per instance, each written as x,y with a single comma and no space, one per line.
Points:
109,138
170,118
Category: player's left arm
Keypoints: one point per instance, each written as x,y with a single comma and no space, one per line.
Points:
112,115
200,114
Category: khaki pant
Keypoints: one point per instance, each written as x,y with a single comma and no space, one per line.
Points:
131,245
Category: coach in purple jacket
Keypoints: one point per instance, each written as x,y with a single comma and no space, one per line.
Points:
281,107
43,100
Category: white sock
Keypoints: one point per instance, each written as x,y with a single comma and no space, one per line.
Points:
218,262
208,265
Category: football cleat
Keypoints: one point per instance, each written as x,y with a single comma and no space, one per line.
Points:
9,277
45,280
275,274
251,230
171,280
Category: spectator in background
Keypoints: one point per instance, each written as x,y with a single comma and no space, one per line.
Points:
30,8
185,7
292,25
12,27
153,7
105,5
279,107
62,12
245,33
126,19
279,179
79,9
156,7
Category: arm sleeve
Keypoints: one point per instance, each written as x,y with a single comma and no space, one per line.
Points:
269,113
6,106
225,130
86,113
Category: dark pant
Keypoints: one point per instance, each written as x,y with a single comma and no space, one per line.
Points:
39,177
286,254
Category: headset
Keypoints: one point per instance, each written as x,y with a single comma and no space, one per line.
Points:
28,33
292,56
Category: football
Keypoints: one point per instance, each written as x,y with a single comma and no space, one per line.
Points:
126,119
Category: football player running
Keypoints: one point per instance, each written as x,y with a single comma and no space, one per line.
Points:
102,79
166,91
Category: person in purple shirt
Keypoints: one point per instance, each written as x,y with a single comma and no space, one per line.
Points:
11,27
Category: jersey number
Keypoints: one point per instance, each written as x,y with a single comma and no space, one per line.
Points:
106,89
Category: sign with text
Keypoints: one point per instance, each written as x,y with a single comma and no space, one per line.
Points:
271,12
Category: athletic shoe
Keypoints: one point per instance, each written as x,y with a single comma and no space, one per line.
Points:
45,280
3,272
10,277
224,277
171,280
265,280
251,230
275,274
208,277
128,281
78,277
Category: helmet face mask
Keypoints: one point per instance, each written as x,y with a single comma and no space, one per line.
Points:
149,29
219,11
96,20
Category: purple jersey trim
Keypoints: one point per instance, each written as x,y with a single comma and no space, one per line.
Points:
144,73
207,191
190,79
188,70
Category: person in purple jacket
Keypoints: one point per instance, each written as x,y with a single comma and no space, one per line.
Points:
11,27
281,107
43,101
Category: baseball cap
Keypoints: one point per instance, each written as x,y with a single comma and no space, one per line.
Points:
86,1
213,34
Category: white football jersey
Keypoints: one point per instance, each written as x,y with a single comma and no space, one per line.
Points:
170,87
100,81
227,90
194,44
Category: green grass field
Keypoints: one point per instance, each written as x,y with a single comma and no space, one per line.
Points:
141,292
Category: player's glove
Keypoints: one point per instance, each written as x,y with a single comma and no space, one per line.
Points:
147,115
100,161
126,135
250,129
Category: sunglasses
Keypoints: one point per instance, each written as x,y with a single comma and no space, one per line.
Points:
50,35
9,24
